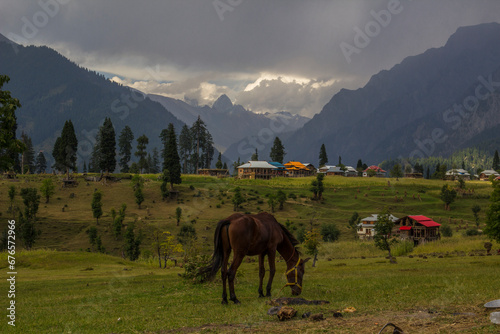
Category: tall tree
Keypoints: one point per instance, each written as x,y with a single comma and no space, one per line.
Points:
155,165
496,161
396,171
323,157
10,147
41,163
141,153
203,149
107,147
28,155
97,205
47,189
447,195
218,164
277,151
185,148
27,228
171,161
132,243
255,156
65,148
125,148
95,156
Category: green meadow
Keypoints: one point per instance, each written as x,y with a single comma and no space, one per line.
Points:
438,287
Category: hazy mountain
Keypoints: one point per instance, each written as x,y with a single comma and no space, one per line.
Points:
227,122
52,90
400,107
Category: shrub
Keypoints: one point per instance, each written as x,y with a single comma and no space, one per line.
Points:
446,231
192,267
330,232
472,232
301,234
403,248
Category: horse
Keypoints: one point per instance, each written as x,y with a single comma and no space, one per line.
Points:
250,235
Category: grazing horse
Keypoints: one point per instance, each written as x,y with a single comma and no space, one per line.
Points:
250,235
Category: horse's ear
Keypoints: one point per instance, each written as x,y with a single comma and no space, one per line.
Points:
304,261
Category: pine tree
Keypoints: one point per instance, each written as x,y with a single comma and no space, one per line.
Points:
255,156
496,161
225,166
142,142
95,156
218,164
277,151
107,147
41,163
323,157
155,167
185,148
28,155
10,147
125,148
65,148
84,167
171,161
202,142
97,205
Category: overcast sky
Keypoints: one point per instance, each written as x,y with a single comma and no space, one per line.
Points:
291,55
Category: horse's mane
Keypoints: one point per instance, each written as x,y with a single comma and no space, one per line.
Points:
290,237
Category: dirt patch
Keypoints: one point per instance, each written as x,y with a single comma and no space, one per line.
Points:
474,320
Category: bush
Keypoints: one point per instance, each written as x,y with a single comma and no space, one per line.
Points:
292,196
301,234
192,268
446,231
472,232
403,248
330,232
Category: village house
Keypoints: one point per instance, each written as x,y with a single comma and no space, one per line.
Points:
485,174
418,229
338,171
258,170
379,172
366,228
456,173
213,172
297,169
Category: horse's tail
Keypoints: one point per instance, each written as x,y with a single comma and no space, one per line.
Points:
208,273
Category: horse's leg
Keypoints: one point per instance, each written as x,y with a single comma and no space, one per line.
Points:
237,259
271,256
223,272
262,273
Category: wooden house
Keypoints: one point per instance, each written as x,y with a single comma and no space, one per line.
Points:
485,174
297,169
455,174
366,228
418,229
214,172
257,170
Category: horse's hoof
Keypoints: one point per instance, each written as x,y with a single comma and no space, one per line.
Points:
261,295
268,294
236,301
224,302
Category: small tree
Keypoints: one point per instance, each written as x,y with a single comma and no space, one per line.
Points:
237,198
132,244
27,228
187,237
281,198
330,232
446,231
448,195
47,189
12,195
311,244
475,210
396,171
317,187
461,182
92,232
383,229
353,224
137,185
118,221
178,215
272,202
168,247
493,215
218,164
323,157
97,206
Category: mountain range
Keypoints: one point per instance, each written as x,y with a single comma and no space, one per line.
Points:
395,113
434,103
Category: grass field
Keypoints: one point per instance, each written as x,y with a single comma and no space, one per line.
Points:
439,287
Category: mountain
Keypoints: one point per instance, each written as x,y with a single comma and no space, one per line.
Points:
227,122
52,89
398,109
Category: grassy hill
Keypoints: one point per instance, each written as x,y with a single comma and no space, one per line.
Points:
206,200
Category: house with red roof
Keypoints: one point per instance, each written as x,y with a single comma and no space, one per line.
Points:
374,171
419,229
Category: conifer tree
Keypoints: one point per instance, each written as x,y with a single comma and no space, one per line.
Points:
41,163
155,165
496,161
107,147
28,155
218,164
142,142
185,148
171,161
125,148
255,156
277,151
65,148
323,157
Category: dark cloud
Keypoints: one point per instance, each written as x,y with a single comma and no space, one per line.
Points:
196,49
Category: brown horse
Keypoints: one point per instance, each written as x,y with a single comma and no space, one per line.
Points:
260,235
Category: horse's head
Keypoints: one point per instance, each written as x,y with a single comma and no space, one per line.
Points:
294,276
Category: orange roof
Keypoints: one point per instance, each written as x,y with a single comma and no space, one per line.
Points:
295,165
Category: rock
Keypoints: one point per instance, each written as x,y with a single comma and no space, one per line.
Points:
286,313
317,317
273,310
